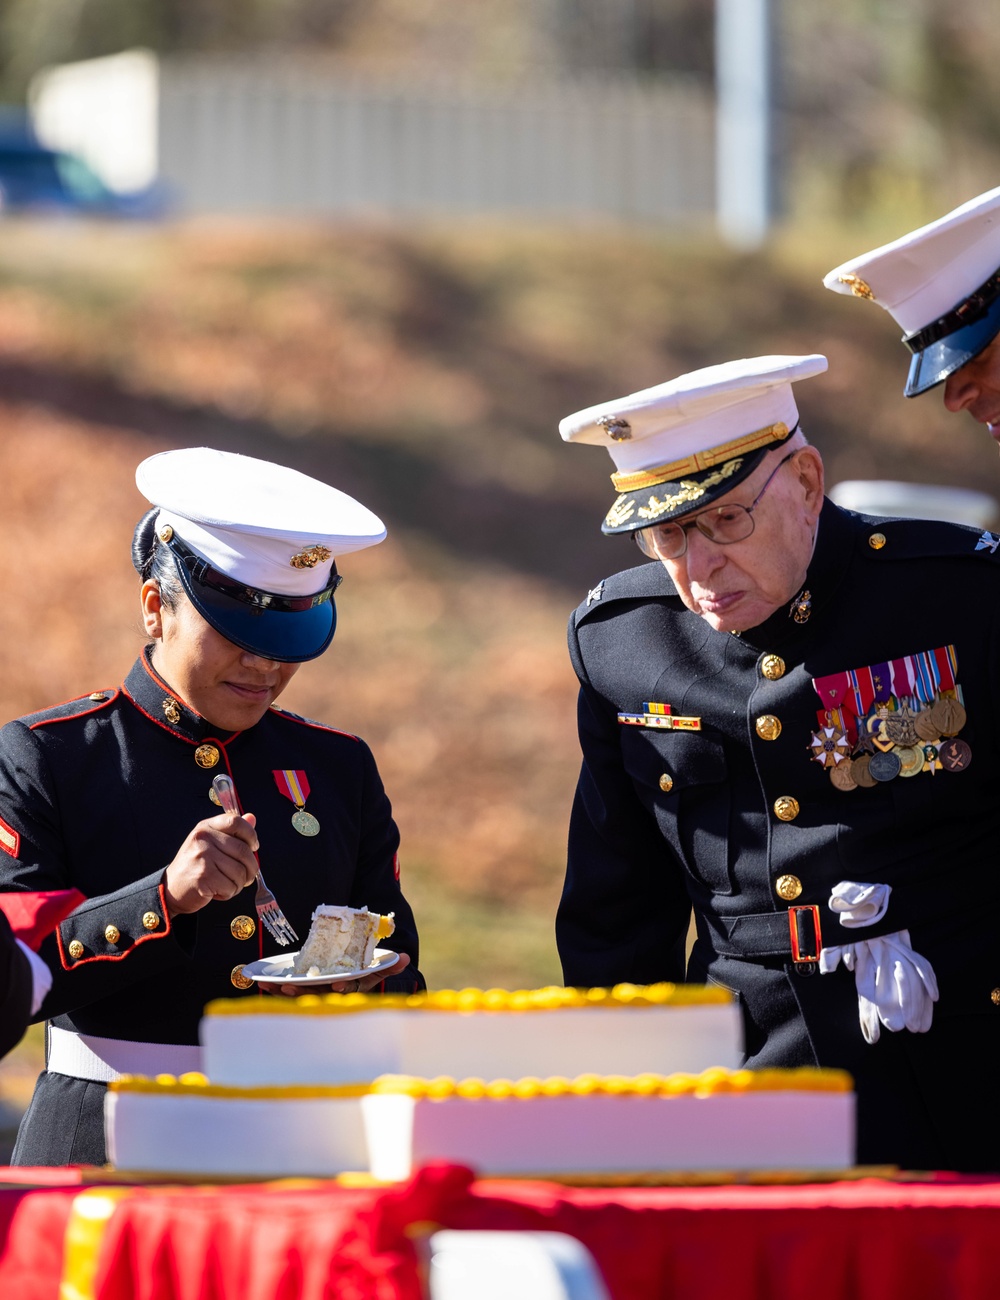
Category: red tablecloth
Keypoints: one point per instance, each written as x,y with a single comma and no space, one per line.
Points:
867,1240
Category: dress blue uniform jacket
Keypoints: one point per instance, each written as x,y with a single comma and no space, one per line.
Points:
99,794
670,821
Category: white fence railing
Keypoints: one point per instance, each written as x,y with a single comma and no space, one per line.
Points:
292,136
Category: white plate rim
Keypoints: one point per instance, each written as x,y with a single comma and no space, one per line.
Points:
382,958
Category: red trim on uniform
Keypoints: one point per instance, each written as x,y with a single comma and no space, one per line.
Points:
95,707
306,722
171,692
69,963
7,830
395,865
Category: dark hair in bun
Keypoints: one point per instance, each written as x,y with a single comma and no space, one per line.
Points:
150,559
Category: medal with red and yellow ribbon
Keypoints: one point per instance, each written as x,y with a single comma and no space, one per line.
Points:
295,786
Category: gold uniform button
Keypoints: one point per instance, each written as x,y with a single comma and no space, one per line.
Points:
876,541
768,727
666,782
76,949
995,997
786,809
166,533
112,933
773,667
98,696
150,920
243,927
206,756
238,979
788,887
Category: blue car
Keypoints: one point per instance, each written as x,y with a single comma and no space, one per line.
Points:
36,179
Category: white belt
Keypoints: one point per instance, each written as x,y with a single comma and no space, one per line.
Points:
83,1056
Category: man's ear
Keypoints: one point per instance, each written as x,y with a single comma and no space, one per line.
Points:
152,608
809,468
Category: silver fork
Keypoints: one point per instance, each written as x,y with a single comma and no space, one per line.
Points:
265,902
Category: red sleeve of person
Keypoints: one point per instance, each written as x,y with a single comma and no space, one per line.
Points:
33,916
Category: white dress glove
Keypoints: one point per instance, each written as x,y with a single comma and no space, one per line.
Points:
859,904
896,986
41,977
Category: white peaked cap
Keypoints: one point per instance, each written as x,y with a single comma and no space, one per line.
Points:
695,413
925,274
263,524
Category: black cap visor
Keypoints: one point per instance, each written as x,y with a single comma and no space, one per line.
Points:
931,365
286,628
661,503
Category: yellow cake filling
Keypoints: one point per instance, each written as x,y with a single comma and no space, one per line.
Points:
552,998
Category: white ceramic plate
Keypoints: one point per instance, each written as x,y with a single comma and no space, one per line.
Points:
278,970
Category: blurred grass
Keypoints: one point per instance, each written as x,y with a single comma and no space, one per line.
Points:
472,942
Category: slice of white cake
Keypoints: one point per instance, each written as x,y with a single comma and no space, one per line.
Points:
341,939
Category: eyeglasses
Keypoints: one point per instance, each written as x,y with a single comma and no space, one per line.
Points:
722,525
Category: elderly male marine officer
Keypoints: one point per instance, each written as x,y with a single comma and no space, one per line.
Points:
941,284
787,722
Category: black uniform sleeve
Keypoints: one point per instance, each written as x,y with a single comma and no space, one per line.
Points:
624,911
15,989
376,881
108,941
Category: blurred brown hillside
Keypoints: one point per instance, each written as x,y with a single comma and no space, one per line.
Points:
426,372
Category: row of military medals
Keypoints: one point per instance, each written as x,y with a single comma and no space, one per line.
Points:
903,741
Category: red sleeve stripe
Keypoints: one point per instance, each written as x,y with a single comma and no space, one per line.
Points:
10,839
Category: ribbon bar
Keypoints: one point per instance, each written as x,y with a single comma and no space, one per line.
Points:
661,721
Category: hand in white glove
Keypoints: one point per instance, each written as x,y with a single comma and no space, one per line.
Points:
896,986
858,904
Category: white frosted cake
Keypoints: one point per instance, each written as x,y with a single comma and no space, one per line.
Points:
341,939
487,1034
720,1120
189,1126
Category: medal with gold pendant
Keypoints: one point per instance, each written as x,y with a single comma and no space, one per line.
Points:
294,785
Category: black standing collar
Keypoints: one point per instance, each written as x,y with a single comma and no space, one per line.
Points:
836,539
153,697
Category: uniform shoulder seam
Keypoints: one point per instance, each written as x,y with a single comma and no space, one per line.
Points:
80,707
311,722
641,582
912,539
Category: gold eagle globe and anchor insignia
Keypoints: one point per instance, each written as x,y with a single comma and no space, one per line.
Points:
310,556
617,429
801,607
860,288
